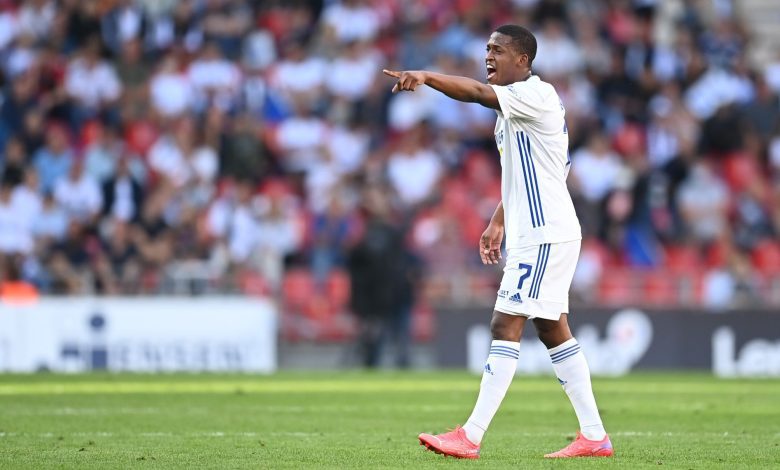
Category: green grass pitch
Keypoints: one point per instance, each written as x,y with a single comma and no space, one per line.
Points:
371,420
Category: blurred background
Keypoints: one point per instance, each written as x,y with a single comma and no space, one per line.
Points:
160,155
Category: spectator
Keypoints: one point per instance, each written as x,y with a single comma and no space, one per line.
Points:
215,80
595,169
92,83
301,139
79,194
243,154
180,159
350,20
16,105
558,55
15,291
126,23
299,76
171,90
50,224
278,237
414,170
703,200
69,262
353,73
36,18
27,198
54,159
376,271
122,194
226,22
119,265
15,231
331,232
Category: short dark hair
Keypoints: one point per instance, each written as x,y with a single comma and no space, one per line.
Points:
523,40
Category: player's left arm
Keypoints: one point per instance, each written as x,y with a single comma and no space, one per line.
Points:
463,89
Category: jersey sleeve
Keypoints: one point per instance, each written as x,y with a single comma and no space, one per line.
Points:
518,101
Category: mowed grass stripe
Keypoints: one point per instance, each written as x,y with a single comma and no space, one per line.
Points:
370,420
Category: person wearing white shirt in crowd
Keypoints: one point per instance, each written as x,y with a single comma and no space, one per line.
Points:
351,20
180,159
216,80
15,231
9,27
27,197
298,76
79,194
703,198
352,74
51,223
278,235
170,89
348,145
301,139
414,170
595,169
559,54
36,18
91,81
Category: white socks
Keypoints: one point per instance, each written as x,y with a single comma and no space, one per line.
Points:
574,375
499,370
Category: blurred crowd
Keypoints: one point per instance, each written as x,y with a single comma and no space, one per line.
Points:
192,146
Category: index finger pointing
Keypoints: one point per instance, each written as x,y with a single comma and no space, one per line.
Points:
391,73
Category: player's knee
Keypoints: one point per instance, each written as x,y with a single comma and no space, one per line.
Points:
506,328
552,333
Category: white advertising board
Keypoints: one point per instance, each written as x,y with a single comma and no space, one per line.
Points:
140,335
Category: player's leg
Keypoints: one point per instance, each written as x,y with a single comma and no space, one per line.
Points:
573,373
499,370
497,376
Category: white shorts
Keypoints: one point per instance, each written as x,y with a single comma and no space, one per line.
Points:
537,279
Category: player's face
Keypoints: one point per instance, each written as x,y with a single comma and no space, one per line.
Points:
504,65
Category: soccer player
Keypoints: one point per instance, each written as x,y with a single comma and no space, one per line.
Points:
542,232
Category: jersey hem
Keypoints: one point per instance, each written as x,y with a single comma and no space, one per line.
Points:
543,242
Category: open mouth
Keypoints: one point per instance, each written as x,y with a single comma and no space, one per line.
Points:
491,71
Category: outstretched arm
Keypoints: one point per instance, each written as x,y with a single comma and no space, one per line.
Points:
459,88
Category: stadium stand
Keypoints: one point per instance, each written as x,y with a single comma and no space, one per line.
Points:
223,146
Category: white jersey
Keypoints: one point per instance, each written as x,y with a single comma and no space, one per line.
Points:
533,142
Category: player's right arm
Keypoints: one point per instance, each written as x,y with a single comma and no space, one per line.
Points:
490,241
463,89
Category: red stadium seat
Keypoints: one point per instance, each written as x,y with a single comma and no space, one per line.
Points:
739,171
718,254
618,287
140,136
766,257
253,284
297,288
660,288
338,289
683,258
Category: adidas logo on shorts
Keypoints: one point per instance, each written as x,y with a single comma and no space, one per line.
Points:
516,298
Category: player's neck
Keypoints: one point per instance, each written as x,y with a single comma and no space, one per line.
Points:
525,76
